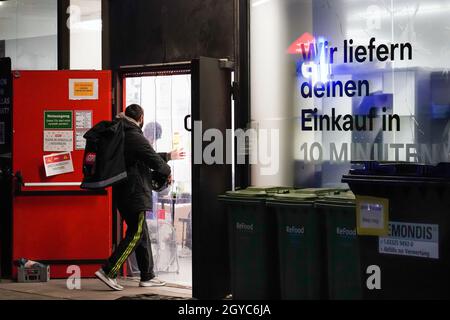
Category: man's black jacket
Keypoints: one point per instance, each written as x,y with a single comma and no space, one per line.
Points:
135,193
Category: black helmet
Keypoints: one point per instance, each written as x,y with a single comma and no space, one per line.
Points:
160,181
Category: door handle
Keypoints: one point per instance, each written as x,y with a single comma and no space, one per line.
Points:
20,184
52,184
51,192
186,123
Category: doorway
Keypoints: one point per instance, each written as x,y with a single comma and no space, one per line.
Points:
165,96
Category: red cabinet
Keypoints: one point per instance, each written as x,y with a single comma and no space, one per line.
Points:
53,220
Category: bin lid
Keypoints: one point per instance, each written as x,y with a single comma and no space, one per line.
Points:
400,169
270,189
247,193
319,191
295,197
342,197
349,196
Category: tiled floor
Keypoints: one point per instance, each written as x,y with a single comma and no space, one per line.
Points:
91,289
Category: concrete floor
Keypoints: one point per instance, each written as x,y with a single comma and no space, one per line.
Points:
91,289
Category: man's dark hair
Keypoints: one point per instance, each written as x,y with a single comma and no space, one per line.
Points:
134,111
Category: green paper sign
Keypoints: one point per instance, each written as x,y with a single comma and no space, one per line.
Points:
58,120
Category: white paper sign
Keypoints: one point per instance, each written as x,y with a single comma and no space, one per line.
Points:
83,119
83,89
58,163
80,141
55,141
411,239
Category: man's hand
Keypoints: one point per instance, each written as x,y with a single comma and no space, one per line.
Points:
177,154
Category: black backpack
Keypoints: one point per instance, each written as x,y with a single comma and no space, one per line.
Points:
104,161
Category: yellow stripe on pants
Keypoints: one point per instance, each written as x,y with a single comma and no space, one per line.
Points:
130,247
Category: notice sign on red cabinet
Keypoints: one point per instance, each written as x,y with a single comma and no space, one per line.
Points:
58,163
83,89
58,141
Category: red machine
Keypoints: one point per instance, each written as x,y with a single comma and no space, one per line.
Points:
53,220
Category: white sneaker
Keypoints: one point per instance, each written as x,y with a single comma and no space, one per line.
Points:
155,282
112,283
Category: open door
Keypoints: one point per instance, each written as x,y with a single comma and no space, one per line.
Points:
175,96
164,92
211,104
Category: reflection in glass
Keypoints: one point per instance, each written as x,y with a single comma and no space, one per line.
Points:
413,88
28,33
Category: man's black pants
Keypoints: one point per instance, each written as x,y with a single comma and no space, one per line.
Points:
137,239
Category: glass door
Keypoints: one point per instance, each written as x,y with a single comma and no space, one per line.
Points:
166,100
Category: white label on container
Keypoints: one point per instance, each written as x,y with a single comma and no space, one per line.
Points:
411,239
372,215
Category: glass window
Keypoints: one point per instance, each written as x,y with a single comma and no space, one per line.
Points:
85,24
28,33
347,80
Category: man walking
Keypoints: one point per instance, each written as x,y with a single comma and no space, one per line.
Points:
133,200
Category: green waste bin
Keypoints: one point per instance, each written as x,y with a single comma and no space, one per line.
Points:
300,246
253,246
342,246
